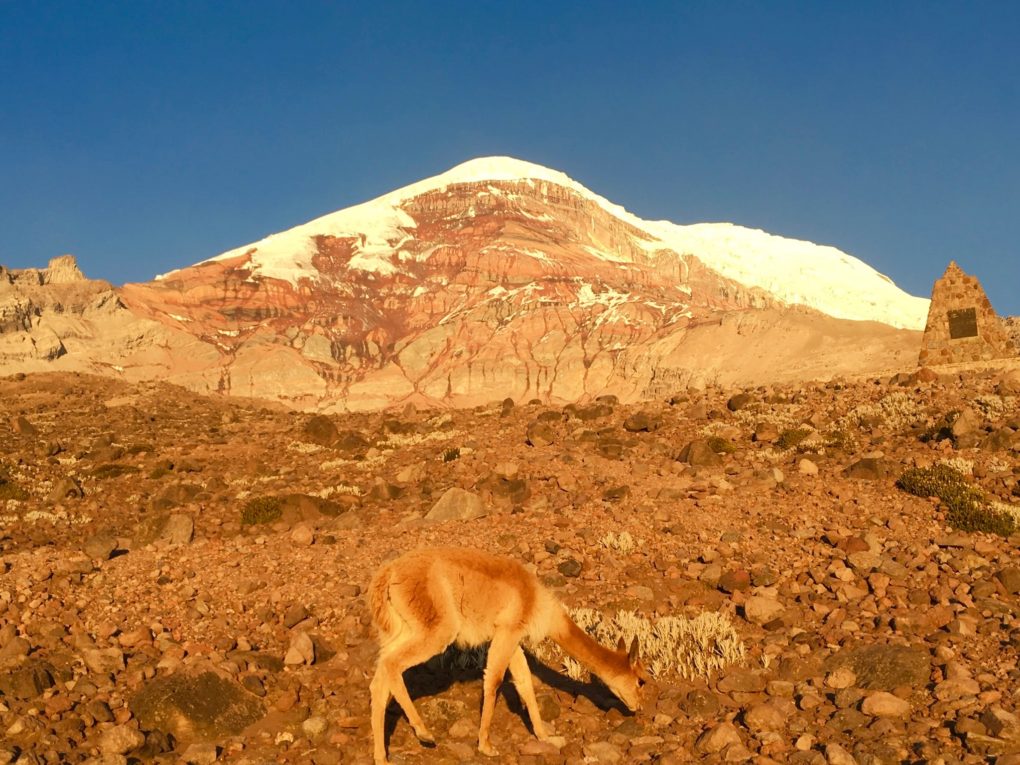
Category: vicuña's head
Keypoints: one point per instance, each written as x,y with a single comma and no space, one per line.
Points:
627,683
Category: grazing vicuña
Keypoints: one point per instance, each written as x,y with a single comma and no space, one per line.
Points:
427,600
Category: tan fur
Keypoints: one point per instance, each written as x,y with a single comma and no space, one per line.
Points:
427,600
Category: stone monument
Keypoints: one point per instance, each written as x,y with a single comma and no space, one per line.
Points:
962,325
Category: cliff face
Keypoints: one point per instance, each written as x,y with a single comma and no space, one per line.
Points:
455,291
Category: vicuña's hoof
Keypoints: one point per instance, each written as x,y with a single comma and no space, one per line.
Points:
488,750
426,738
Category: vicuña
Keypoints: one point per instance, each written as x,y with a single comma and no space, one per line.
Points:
426,600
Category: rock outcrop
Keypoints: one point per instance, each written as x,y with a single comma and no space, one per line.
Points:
1012,327
962,325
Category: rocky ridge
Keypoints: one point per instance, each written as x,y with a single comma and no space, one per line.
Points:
153,538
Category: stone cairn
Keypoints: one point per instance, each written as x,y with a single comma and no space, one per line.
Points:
962,325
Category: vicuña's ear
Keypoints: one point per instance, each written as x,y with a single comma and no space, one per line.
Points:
635,651
622,645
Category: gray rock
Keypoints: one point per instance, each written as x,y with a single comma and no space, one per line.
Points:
26,682
457,505
869,469
541,434
884,704
699,454
718,738
570,568
66,488
179,529
301,650
100,546
120,739
1010,578
762,610
201,753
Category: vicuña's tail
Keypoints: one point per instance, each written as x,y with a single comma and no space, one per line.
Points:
379,600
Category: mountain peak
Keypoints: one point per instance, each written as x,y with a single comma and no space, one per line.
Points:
481,169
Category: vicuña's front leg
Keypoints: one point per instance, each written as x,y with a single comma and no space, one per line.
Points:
500,651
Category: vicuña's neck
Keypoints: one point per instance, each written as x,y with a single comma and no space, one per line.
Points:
579,645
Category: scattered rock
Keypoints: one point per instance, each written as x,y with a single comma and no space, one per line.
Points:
884,704
301,650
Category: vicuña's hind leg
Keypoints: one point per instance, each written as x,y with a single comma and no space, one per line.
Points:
380,699
403,658
521,674
500,651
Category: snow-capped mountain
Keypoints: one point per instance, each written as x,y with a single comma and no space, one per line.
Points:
792,271
503,278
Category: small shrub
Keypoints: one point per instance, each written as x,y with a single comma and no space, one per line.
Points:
966,506
842,439
10,490
791,438
261,510
720,445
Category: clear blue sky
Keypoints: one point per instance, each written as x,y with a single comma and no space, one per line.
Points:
144,136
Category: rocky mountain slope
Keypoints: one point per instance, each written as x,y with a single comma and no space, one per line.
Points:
182,577
504,278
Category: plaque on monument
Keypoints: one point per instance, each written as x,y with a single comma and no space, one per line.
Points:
963,323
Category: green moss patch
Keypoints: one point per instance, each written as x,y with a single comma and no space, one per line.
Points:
720,445
261,510
792,437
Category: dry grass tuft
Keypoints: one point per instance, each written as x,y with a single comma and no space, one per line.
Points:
623,542
671,647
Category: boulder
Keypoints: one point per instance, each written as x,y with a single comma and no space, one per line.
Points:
869,469
195,706
321,430
699,453
885,667
165,528
540,434
457,505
